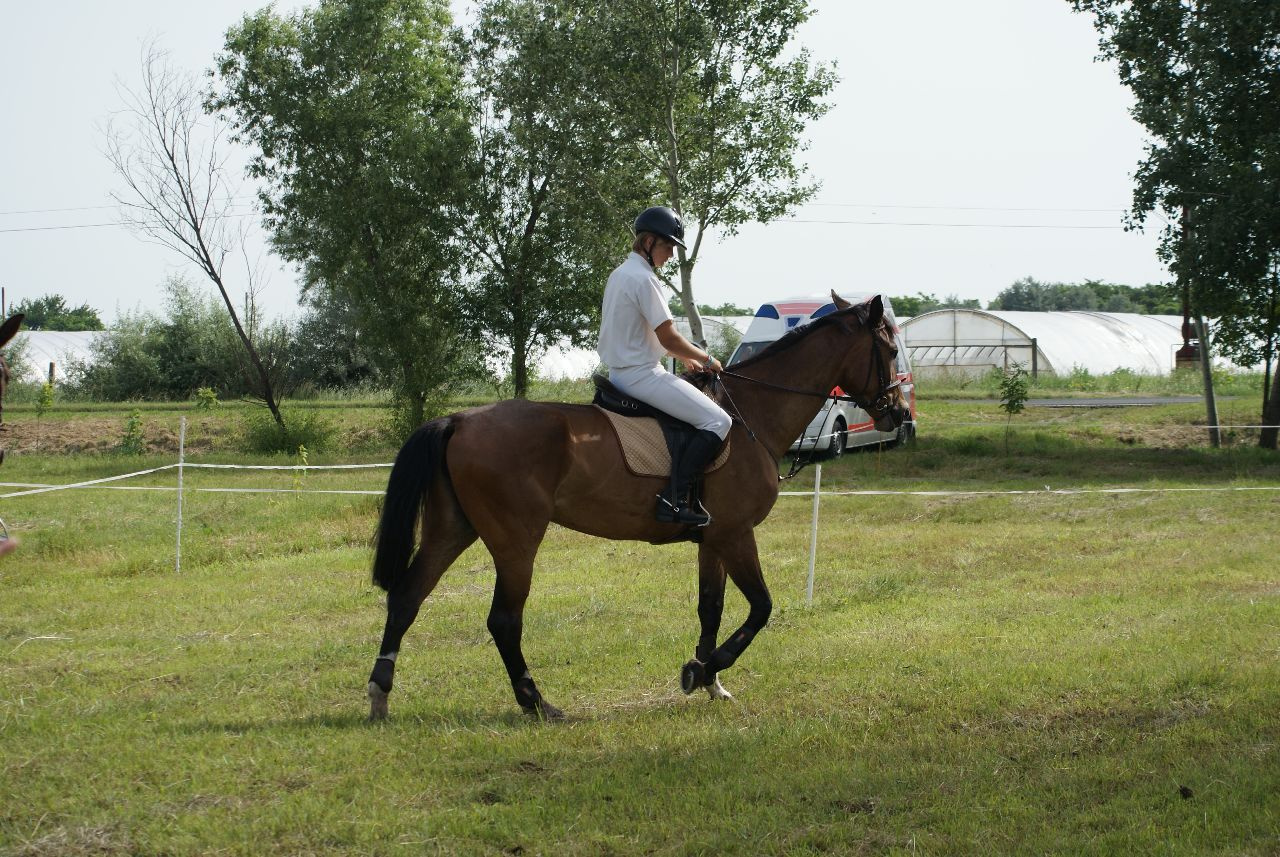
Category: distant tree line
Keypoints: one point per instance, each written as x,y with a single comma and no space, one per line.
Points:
1029,294
728,308
51,312
192,345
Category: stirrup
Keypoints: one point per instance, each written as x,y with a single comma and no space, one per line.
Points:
671,514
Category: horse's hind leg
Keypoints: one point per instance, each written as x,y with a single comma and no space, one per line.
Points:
446,535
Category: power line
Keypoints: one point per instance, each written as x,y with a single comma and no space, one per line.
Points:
946,225
781,220
963,207
101,225
92,207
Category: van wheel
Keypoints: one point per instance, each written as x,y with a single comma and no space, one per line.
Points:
839,439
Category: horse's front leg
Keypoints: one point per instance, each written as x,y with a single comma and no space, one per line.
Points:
738,557
710,611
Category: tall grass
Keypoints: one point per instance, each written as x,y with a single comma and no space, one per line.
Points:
1080,381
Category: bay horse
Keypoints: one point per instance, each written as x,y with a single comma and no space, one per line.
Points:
503,472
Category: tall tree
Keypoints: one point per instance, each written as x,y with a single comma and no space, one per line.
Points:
1205,75
548,210
358,115
178,191
716,100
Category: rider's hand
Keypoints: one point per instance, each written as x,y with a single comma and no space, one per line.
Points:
713,365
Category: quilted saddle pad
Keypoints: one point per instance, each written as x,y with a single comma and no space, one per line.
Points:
644,447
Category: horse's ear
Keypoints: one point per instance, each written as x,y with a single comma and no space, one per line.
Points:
840,302
10,328
875,311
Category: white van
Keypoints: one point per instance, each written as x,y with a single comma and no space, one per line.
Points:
839,425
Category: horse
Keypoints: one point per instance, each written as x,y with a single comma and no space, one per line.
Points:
8,331
472,475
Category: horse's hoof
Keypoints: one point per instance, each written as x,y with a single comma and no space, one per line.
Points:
716,690
693,676
377,703
544,710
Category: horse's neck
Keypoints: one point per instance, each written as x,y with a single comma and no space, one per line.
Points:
776,416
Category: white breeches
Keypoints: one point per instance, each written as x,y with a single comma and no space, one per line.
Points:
655,386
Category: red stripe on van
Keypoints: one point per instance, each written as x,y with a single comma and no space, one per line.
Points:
796,307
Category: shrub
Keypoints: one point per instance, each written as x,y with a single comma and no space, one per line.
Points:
133,442
302,429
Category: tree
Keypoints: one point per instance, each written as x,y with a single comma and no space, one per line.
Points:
548,209
360,125
910,307
52,313
1029,294
1206,83
178,193
328,351
728,308
1013,396
714,106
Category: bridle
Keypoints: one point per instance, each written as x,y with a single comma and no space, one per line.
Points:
875,407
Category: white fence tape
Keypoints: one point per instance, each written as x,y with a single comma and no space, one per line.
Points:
39,488
86,484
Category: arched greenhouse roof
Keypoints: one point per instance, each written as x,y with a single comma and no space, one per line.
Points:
974,341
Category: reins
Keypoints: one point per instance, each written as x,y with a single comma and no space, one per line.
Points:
882,402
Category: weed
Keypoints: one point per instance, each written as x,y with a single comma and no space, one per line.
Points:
132,441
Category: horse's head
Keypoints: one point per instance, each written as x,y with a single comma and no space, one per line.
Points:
875,385
7,331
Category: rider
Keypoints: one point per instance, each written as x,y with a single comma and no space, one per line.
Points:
636,331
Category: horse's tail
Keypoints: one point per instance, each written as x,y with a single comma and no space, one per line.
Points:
417,465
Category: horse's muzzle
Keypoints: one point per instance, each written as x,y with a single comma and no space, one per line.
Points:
890,410
890,419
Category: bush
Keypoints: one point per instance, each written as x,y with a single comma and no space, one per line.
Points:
170,357
302,429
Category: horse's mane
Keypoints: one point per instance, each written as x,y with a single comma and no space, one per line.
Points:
702,380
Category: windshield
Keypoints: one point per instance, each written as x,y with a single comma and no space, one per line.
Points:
748,349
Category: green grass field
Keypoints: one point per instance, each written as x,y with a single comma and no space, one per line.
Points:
1030,673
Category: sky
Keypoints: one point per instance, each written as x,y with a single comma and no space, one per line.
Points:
968,145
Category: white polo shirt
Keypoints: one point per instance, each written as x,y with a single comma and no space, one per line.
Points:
633,309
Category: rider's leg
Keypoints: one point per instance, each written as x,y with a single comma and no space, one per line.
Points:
672,395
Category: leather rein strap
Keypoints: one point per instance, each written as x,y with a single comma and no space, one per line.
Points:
882,402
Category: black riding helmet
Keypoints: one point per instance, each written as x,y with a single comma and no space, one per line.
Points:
663,222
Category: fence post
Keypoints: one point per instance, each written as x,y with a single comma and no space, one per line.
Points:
813,532
182,447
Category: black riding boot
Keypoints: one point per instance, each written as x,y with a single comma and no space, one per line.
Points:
700,451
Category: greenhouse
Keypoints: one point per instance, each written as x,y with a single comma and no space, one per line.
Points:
973,342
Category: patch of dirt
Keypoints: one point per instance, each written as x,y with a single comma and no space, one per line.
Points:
102,435
1164,437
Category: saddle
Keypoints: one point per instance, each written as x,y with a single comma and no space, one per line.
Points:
652,446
